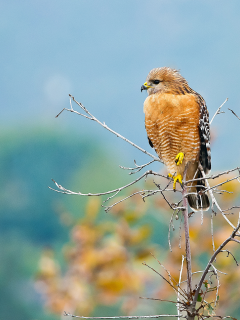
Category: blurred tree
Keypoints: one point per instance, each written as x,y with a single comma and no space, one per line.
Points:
29,215
104,258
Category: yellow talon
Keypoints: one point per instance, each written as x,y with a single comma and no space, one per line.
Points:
179,158
177,178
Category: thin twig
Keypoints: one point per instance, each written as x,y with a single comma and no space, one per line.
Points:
218,110
235,240
125,317
179,282
180,232
66,191
214,201
171,279
213,176
218,284
234,113
213,245
169,231
210,263
144,263
162,300
230,253
187,240
92,117
137,168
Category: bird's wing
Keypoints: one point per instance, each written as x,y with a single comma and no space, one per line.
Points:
150,142
204,131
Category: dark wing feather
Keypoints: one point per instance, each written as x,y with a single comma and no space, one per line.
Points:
150,142
204,131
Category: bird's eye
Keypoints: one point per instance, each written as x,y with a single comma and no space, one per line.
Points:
156,81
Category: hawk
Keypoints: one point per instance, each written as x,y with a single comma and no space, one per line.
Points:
177,125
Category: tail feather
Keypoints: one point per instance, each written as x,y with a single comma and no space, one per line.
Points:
198,201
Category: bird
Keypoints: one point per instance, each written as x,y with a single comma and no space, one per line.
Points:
177,125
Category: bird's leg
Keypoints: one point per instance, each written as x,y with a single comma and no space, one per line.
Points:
176,178
179,158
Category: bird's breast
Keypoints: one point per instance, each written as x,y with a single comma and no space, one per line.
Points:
172,126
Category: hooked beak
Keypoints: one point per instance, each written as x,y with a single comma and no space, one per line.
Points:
145,86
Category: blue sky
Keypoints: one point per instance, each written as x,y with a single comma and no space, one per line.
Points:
102,51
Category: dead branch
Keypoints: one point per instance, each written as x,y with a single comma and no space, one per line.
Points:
103,124
137,168
234,113
220,248
187,239
214,201
116,191
176,290
178,294
230,253
125,317
162,300
218,111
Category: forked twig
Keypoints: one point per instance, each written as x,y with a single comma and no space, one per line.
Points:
218,110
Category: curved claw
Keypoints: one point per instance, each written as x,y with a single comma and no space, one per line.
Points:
179,158
177,178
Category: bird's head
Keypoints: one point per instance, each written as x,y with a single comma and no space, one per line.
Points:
165,80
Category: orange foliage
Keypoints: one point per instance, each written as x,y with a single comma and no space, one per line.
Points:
104,259
100,264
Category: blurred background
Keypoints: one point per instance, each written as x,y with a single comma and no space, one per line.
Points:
101,53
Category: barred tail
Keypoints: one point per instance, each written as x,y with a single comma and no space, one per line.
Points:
196,200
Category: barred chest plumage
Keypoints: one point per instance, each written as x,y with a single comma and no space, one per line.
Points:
172,124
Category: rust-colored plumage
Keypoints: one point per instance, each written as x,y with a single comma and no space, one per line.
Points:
176,120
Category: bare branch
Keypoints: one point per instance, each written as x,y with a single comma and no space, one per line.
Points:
220,184
144,263
211,261
179,282
213,245
137,168
214,201
66,191
230,253
235,240
162,300
234,207
92,117
213,176
125,317
171,279
234,113
187,240
180,232
218,110
218,284
169,231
